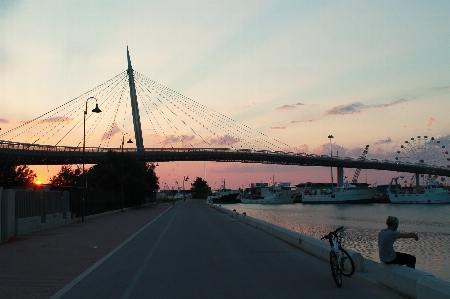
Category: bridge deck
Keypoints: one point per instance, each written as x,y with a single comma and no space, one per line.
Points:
34,154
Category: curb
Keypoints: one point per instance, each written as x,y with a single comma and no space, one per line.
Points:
406,281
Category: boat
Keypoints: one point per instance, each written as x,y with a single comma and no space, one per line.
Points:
252,194
225,195
211,198
348,193
283,193
431,193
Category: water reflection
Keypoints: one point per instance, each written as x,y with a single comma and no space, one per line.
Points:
363,222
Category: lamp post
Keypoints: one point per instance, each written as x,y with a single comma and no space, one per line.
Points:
129,141
331,155
95,110
185,179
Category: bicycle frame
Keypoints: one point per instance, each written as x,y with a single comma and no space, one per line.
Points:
334,244
339,256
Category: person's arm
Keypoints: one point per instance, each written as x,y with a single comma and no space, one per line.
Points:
409,235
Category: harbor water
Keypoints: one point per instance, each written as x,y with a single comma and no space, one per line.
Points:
363,222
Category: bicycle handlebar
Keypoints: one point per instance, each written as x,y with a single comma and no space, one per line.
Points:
332,233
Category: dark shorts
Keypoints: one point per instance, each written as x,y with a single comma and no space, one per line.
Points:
404,259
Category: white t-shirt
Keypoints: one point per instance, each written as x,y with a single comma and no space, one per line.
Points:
386,239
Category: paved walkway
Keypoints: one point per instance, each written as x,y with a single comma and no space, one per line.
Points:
40,264
183,251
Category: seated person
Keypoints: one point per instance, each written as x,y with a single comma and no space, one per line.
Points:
386,239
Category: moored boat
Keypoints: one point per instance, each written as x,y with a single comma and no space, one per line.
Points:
282,193
431,193
225,195
346,194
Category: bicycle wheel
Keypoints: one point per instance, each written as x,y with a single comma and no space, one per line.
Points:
335,272
347,264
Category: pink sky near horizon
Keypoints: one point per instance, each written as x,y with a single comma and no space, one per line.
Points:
241,175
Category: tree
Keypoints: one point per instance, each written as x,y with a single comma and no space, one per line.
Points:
12,174
200,188
139,178
68,176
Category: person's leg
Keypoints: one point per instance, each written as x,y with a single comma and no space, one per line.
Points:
405,259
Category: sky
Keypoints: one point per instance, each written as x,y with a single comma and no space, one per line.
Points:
367,72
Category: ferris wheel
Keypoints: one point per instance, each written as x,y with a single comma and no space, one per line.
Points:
425,151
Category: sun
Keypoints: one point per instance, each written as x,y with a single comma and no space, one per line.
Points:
38,182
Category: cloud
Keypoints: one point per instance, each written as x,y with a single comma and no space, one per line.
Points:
113,131
430,122
58,119
289,107
357,107
169,139
224,140
396,102
303,121
442,87
443,138
304,148
346,109
379,151
185,138
3,121
278,128
388,140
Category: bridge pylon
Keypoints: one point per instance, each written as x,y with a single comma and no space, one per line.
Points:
135,107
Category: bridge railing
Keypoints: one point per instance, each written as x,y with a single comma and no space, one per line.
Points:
242,155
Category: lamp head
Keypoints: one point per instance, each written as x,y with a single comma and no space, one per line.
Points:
130,141
96,109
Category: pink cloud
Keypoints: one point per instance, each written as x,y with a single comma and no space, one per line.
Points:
304,148
289,107
430,122
224,140
379,151
113,131
303,121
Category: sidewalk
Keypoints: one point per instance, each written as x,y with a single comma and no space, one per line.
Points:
39,264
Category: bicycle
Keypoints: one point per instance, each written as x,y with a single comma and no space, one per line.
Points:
340,260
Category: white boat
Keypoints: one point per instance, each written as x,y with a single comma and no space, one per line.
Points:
345,194
431,193
282,193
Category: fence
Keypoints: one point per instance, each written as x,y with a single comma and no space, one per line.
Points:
23,211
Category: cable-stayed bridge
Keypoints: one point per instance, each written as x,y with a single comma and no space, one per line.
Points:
172,126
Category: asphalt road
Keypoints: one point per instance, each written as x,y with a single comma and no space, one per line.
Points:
193,251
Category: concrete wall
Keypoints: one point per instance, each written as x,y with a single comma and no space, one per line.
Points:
412,283
409,282
26,211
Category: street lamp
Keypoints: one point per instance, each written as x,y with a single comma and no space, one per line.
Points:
95,110
185,179
129,141
331,155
